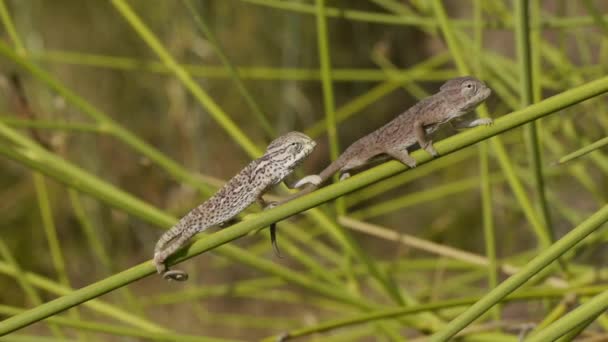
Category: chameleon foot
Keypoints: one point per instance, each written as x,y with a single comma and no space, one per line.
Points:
177,275
311,179
344,176
482,122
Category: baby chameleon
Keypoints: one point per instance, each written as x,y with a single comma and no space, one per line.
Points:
281,157
455,98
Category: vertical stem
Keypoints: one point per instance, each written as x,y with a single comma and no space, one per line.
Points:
10,29
527,86
328,94
484,173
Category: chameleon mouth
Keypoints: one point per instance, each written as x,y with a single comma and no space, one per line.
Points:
486,93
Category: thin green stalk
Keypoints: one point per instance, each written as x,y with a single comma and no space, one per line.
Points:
232,71
581,152
95,305
527,86
537,264
50,165
578,316
596,14
558,311
10,29
413,20
201,292
387,66
328,92
33,338
53,125
416,198
93,239
450,253
439,305
50,230
484,173
245,73
114,329
244,321
572,334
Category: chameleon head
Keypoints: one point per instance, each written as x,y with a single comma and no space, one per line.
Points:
291,148
467,93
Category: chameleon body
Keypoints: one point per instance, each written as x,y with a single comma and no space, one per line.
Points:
455,98
281,157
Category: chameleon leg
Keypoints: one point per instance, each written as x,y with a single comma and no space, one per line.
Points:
310,179
427,145
403,156
472,123
344,176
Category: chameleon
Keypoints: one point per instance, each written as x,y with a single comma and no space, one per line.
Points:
282,156
455,98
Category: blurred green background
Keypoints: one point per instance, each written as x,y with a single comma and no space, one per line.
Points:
384,56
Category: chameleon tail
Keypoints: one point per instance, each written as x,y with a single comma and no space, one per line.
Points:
168,236
331,169
175,238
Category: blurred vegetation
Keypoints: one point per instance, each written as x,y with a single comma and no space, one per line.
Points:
120,116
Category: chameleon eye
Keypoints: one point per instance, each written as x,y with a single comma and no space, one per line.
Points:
470,86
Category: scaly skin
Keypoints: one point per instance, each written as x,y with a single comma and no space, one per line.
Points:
281,157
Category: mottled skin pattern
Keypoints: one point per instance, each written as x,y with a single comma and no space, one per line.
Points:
281,157
455,98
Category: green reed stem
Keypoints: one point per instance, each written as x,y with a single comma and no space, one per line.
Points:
581,152
9,26
245,73
527,90
581,315
537,264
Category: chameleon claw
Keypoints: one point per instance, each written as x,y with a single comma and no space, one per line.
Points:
344,176
283,337
177,275
485,121
273,240
311,179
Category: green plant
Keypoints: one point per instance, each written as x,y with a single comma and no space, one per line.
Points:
333,271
